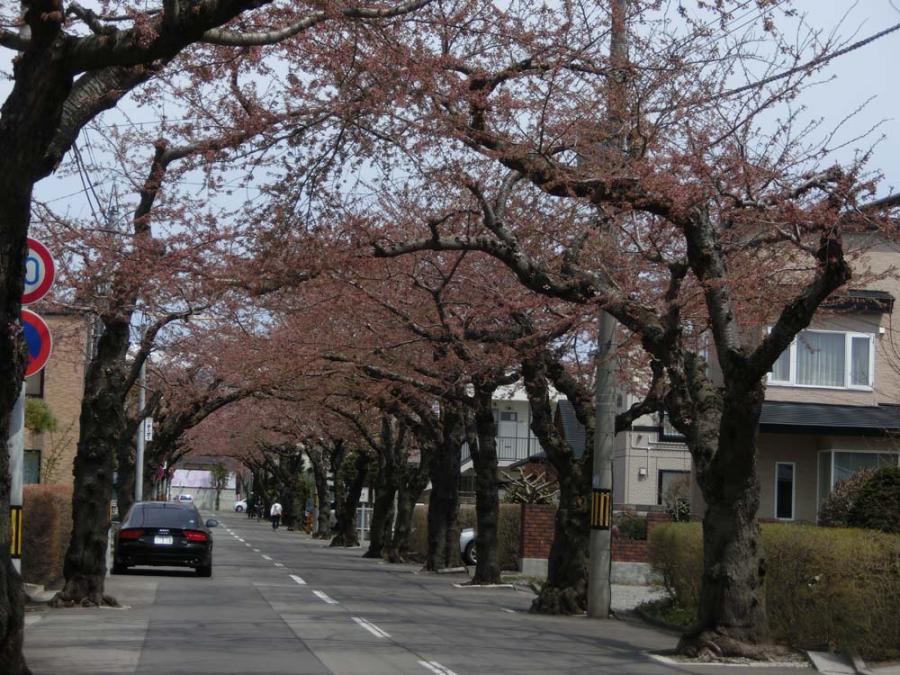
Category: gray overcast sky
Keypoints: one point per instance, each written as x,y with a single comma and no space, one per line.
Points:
857,76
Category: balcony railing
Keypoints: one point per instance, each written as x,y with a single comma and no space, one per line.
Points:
509,449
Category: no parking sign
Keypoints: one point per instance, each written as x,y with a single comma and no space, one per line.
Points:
38,340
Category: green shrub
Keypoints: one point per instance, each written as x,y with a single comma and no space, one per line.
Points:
825,587
877,504
508,533
835,509
676,552
46,527
630,525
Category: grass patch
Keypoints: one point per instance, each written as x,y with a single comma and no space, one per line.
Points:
666,611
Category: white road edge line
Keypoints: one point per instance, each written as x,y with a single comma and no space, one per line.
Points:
266,557
371,627
298,580
436,667
324,598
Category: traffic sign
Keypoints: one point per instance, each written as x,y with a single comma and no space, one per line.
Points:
37,337
40,270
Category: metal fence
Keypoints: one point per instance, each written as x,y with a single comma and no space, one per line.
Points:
509,449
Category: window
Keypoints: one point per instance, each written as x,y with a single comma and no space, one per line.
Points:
32,467
509,416
784,490
34,385
674,484
838,465
668,433
826,359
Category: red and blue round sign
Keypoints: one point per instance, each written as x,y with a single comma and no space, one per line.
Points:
38,340
40,271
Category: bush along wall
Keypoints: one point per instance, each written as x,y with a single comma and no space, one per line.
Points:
46,527
826,588
508,526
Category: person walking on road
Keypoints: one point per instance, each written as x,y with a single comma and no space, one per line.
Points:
276,515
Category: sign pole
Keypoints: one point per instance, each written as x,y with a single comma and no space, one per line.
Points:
16,447
139,442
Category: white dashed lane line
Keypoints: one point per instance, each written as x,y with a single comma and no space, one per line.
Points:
436,667
266,557
324,598
298,580
256,550
371,627
279,565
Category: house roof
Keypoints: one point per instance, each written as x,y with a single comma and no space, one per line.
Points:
862,300
781,417
833,419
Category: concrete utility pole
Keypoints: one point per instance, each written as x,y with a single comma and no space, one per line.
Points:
16,448
599,590
139,441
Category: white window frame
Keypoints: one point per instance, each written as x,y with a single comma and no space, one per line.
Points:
848,363
793,516
831,480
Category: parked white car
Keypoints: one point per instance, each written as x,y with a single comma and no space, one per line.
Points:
184,499
240,505
467,546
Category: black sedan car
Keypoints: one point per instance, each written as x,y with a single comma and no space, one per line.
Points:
164,533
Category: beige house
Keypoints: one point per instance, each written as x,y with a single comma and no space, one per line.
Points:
832,406
49,456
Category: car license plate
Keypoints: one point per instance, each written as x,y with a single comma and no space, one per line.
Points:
163,541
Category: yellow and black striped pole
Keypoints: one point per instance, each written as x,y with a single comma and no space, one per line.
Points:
16,449
601,510
15,532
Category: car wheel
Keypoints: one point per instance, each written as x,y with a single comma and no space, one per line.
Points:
205,571
470,554
239,509
119,569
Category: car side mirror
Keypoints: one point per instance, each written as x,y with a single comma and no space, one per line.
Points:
212,522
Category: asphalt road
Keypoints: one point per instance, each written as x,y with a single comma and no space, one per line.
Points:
280,602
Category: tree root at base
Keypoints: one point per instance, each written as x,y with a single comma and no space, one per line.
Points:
559,600
89,600
715,645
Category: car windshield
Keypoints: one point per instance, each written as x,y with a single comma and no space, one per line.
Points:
164,515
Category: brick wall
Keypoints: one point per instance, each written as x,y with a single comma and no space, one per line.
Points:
537,535
537,530
63,391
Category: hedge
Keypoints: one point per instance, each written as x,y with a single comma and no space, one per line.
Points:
46,527
509,533
826,588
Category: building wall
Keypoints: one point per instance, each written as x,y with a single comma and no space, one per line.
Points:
63,391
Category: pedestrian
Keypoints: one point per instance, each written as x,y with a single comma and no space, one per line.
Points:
275,512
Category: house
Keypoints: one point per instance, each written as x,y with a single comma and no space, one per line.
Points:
833,398
515,440
50,456
193,476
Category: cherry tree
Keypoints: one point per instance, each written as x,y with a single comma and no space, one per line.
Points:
653,187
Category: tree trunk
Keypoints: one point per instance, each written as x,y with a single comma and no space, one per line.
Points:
125,477
102,426
483,446
28,120
413,481
353,476
732,613
565,591
320,477
391,454
443,505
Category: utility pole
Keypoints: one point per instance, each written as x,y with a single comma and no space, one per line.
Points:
599,590
16,448
139,441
